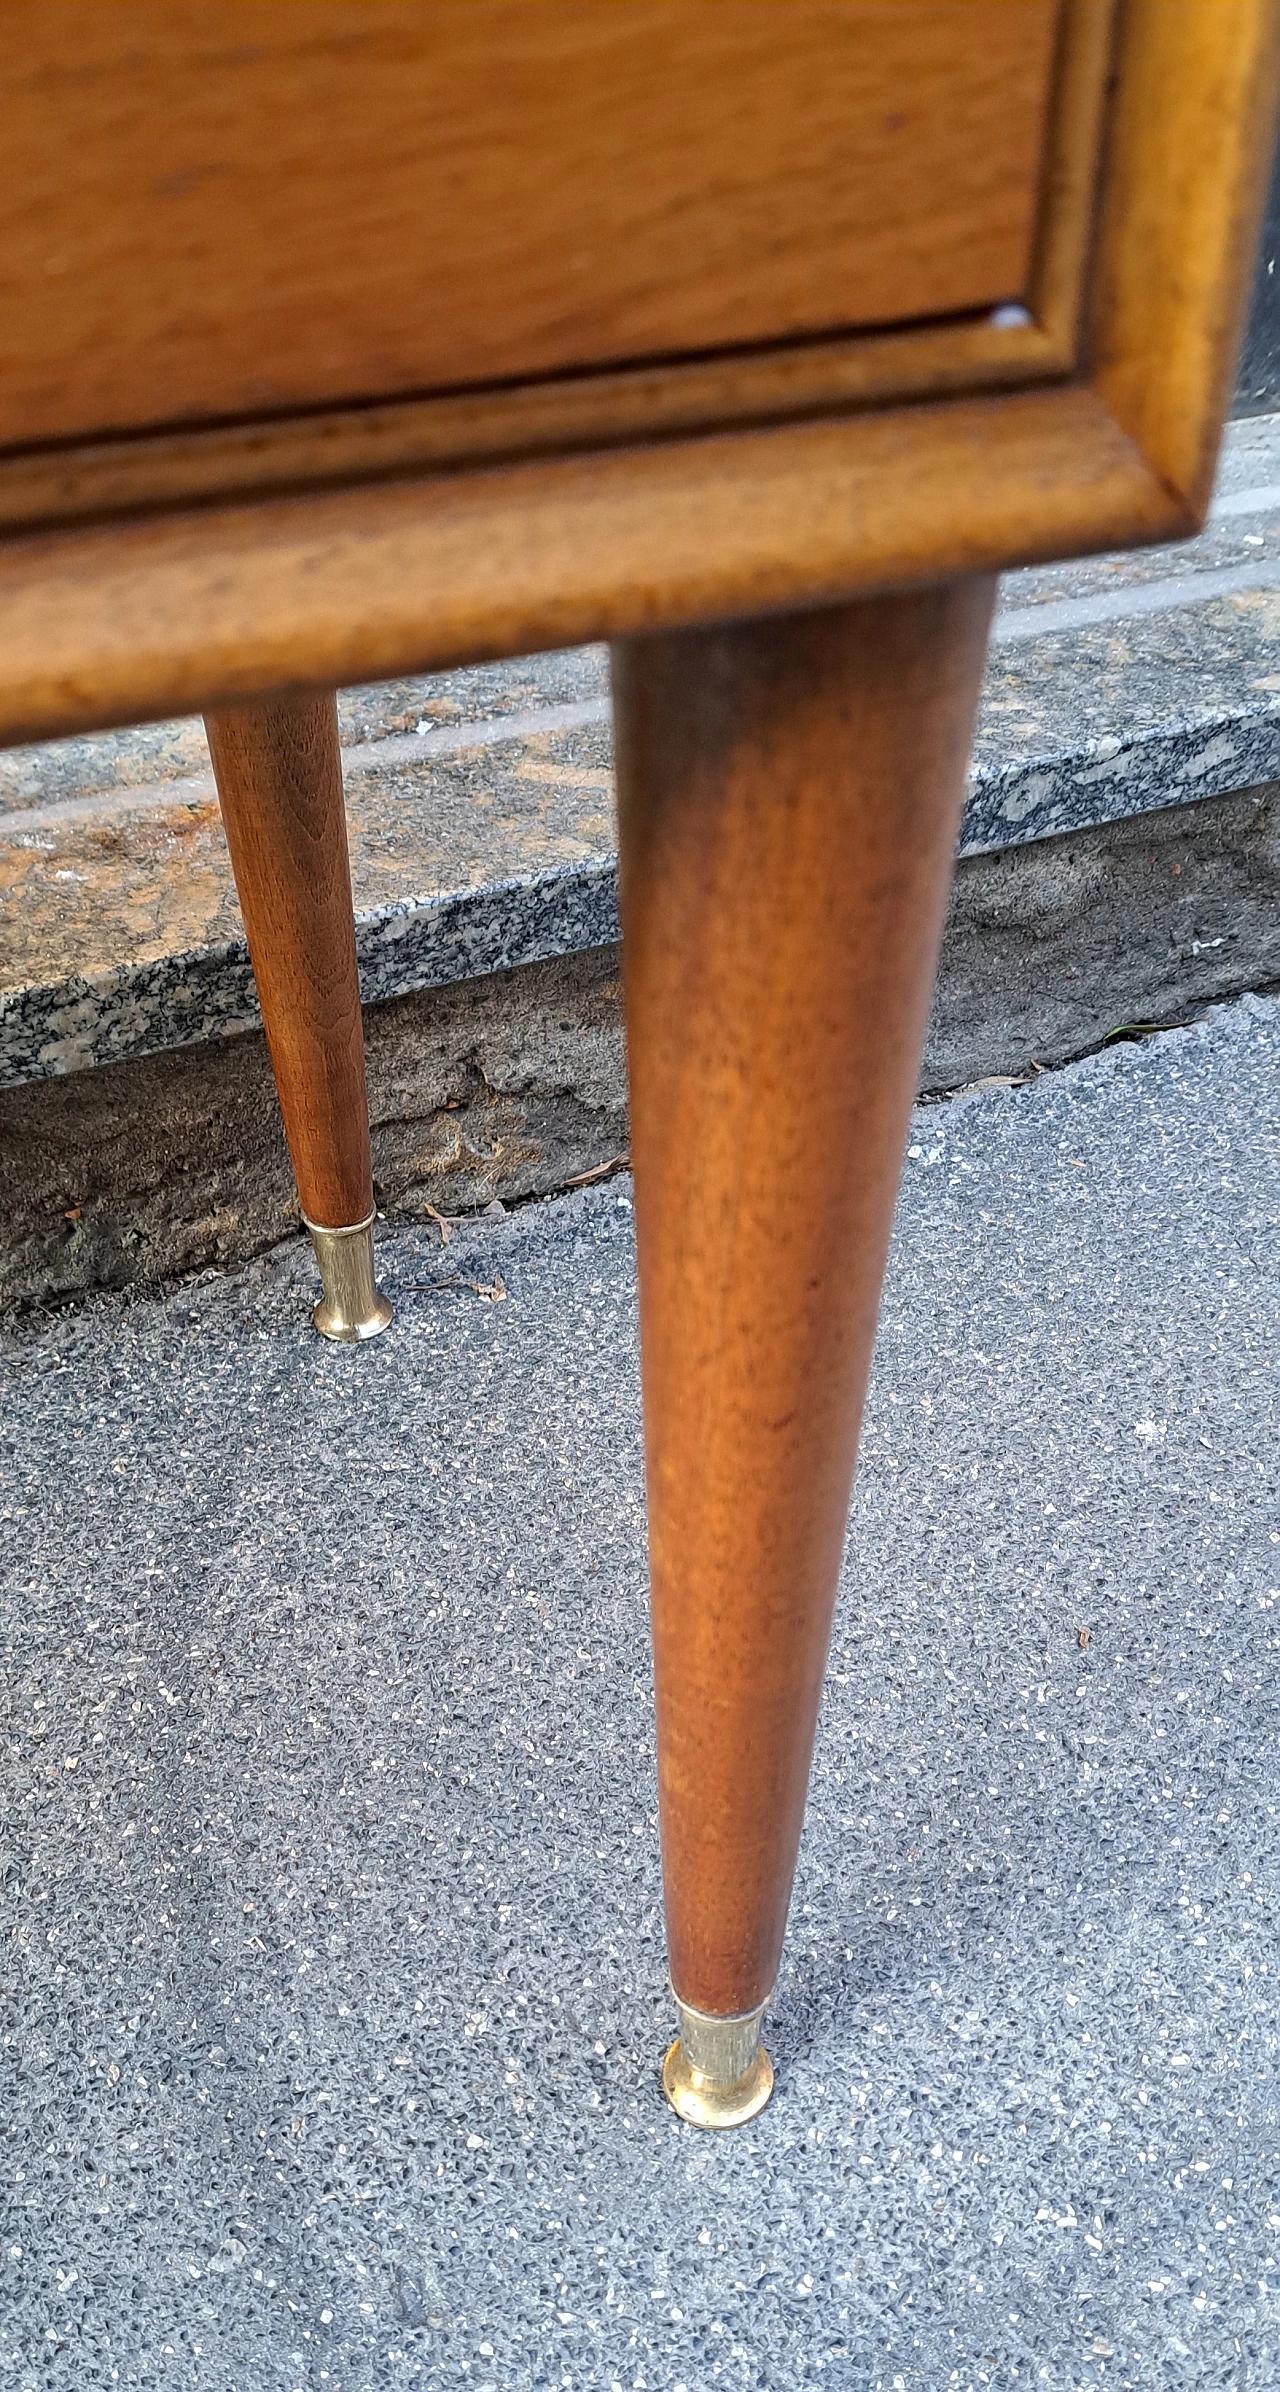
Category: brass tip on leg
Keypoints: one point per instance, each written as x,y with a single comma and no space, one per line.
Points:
352,1306
718,2073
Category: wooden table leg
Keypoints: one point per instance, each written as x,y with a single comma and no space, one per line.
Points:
789,795
279,774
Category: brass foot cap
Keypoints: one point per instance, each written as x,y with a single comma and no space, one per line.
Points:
704,2101
352,1306
333,1324
718,2073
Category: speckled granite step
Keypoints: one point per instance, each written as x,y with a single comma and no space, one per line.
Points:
481,801
480,819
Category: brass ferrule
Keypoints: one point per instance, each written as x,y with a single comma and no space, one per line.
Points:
352,1306
718,2074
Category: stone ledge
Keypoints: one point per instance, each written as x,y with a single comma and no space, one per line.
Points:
480,802
512,1084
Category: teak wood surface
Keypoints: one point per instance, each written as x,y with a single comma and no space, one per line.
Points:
173,569
754,338
765,381
478,194
788,799
279,774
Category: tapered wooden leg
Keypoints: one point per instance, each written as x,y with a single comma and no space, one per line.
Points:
789,794
279,774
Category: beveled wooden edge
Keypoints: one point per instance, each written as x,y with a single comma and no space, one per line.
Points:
94,479
123,621
1068,196
349,447
129,621
1184,170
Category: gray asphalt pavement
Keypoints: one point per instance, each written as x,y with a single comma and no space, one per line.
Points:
335,1997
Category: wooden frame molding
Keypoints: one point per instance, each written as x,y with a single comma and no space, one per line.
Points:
561,414
891,474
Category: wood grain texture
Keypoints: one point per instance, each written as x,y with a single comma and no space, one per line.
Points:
211,210
84,481
279,775
334,445
1070,182
1188,157
125,621
111,623
789,795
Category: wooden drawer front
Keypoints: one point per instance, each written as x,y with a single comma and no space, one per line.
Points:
212,209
